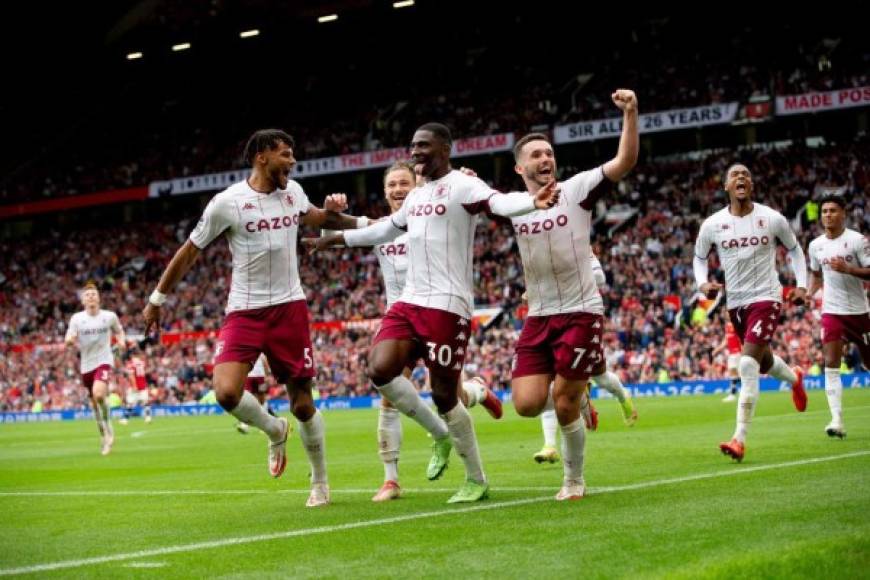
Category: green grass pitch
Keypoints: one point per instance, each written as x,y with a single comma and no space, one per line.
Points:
190,497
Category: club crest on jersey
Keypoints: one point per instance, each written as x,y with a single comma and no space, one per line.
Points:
248,205
762,223
441,190
289,199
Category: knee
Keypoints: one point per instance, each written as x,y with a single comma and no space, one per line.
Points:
303,410
227,396
228,400
444,400
528,406
748,367
832,361
566,402
380,370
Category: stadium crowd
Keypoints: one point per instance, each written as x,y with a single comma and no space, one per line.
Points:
742,66
657,329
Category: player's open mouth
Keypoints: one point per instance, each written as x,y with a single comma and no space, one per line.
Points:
740,187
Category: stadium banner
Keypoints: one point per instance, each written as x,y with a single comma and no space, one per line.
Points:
73,201
825,101
671,389
481,145
672,120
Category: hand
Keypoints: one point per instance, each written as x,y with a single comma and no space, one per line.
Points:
336,202
710,289
151,314
625,100
469,172
547,196
798,296
525,297
839,264
315,245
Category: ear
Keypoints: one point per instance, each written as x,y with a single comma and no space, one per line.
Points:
518,169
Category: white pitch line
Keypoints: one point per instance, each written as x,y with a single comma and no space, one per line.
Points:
188,492
143,554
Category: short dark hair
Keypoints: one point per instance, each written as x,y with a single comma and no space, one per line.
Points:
530,137
439,130
732,166
265,140
833,198
401,166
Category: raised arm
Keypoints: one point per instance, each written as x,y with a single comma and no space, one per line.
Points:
629,140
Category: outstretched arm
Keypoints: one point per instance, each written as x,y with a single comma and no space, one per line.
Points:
180,265
330,217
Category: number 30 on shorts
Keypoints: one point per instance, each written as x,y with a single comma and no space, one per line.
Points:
442,353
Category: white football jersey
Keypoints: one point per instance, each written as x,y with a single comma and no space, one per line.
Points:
554,245
747,249
262,231
843,293
258,371
440,217
393,258
94,337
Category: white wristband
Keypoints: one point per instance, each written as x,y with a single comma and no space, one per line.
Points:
362,222
157,298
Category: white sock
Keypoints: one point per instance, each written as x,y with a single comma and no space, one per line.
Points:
749,373
834,391
461,429
573,449
311,432
611,383
781,371
402,394
475,392
389,441
250,411
549,425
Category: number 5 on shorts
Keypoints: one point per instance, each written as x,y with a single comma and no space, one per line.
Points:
309,362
